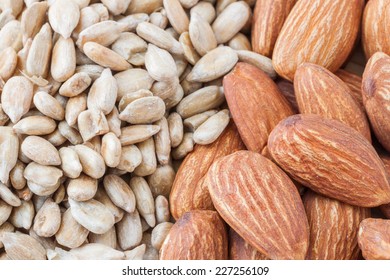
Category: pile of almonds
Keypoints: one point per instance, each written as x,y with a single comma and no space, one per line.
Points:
187,129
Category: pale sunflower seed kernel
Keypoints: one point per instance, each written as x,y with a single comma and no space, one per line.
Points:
109,238
82,188
91,123
63,60
103,198
163,142
240,42
144,110
111,149
159,234
91,161
75,85
262,62
177,16
16,177
114,123
74,107
130,159
70,234
144,198
192,123
40,150
136,254
132,96
149,162
19,246
160,182
137,133
64,16
9,148
159,19
48,219
8,62
189,50
48,105
212,128
162,209
185,147
201,35
5,211
205,10
70,133
160,64
129,44
22,216
8,196
119,192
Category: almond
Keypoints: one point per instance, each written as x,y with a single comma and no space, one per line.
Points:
375,88
241,250
261,203
320,92
187,192
302,38
198,235
374,239
375,27
268,19
333,228
255,103
331,159
354,82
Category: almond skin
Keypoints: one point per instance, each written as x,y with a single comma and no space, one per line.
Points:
241,250
375,89
260,202
197,235
374,239
322,32
330,158
354,82
375,27
187,192
256,104
333,227
287,89
268,19
385,209
320,92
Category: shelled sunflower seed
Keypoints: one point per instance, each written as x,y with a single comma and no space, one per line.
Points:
100,100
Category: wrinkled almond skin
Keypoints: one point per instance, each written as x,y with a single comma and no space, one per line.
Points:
268,19
241,250
187,191
375,27
197,235
375,90
333,227
255,103
261,203
330,158
320,92
354,82
322,32
374,239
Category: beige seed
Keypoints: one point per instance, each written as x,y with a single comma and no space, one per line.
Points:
33,18
181,64
35,125
103,93
48,219
149,162
131,96
91,161
230,21
111,149
162,209
46,176
103,33
74,107
8,62
9,148
262,62
75,85
92,123
175,99
144,110
188,48
163,142
119,192
130,159
129,231
40,190
190,87
105,57
192,123
240,42
3,116
165,90
159,37
137,59
19,246
64,16
185,147
213,65
70,234
114,123
159,234
48,105
102,10
22,216
70,162
96,251
188,4
81,58
16,97
82,188
201,34
151,253
132,80
25,194
103,198
200,101
5,211
160,182
211,129
205,10
93,70
92,215
116,7
5,17
11,36
6,227
176,15
40,150
137,133
8,196
160,64
129,44
63,60
70,133
144,6
136,254
16,177
88,17
144,198
176,131
109,238
133,20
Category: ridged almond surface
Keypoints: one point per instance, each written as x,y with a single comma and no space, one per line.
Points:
317,31
260,202
375,27
318,91
374,239
197,235
241,250
330,158
354,82
333,227
376,92
187,192
255,103
268,19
